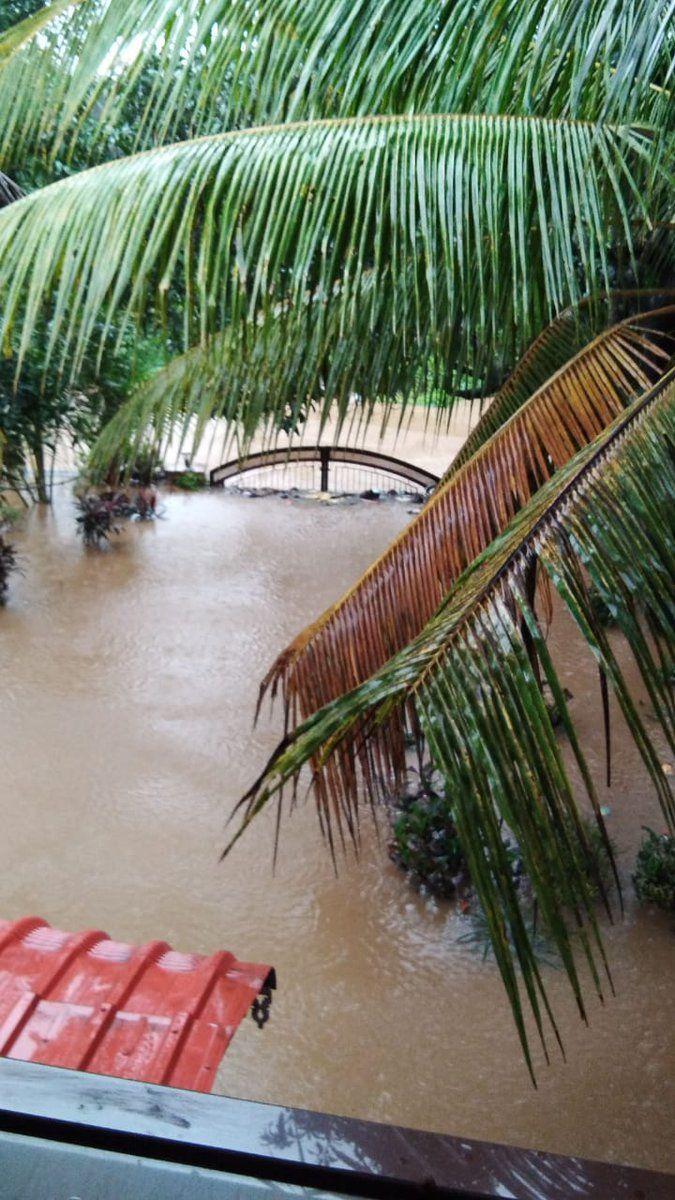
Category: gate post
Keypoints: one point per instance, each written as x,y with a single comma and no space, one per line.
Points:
325,460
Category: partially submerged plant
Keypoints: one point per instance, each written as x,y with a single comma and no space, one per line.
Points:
100,511
426,845
654,878
97,516
189,481
424,837
7,564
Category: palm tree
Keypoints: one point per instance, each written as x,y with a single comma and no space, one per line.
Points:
376,199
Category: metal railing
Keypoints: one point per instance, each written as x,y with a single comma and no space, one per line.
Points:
68,1115
329,462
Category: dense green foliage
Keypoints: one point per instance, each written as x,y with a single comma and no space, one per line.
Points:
425,841
42,401
654,876
189,481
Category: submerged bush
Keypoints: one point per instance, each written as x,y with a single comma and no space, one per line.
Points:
99,512
7,565
654,878
189,481
425,845
425,842
599,878
96,519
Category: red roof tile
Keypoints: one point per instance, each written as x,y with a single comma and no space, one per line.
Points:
147,1012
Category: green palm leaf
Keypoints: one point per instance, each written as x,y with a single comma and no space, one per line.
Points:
261,377
26,33
443,229
213,64
469,681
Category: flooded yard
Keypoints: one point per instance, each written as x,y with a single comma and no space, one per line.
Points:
129,681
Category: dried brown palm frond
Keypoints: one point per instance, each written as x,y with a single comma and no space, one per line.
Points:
558,342
471,682
395,598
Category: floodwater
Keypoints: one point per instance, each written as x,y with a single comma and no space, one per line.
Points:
129,680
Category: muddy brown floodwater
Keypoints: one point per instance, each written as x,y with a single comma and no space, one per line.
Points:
129,680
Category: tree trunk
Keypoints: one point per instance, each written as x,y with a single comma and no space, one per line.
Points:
41,486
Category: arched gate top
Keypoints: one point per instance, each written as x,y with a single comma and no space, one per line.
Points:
325,455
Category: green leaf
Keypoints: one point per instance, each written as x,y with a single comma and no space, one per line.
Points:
213,65
252,223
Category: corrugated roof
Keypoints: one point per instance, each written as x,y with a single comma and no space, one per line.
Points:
148,1012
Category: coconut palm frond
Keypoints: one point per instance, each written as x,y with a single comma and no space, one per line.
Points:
263,377
471,681
25,33
205,64
396,597
37,59
446,223
566,335
262,385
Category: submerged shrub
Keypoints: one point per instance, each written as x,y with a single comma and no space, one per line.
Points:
654,878
96,519
189,481
426,845
99,512
7,565
425,842
599,878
